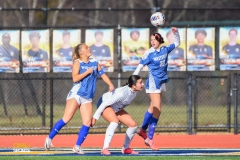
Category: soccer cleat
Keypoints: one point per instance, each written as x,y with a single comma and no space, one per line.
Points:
142,133
48,143
105,151
128,151
77,150
151,144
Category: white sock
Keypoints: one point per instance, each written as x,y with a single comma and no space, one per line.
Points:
109,134
129,136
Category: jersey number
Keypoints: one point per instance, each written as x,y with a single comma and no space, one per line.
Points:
162,63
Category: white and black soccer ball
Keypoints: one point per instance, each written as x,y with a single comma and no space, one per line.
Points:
157,19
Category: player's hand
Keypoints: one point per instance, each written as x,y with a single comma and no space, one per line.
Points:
93,122
174,29
111,88
90,70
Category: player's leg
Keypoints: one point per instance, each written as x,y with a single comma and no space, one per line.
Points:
126,119
70,109
147,117
110,116
156,108
86,114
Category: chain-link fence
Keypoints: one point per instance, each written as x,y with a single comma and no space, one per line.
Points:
194,102
235,91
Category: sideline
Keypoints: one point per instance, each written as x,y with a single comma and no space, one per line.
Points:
209,141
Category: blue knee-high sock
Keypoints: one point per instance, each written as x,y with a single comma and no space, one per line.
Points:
146,120
57,127
152,126
82,135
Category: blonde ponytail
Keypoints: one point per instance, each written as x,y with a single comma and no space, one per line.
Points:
76,49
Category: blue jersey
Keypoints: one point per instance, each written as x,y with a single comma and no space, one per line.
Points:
157,62
88,84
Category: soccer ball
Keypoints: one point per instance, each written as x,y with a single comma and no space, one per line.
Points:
157,19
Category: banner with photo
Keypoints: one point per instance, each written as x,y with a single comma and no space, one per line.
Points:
201,49
63,43
35,51
229,48
177,57
101,44
9,51
135,41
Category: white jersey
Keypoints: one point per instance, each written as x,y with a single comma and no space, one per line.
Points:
118,99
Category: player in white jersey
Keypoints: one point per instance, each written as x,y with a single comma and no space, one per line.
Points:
84,75
156,58
111,106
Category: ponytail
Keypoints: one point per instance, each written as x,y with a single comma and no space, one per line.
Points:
76,49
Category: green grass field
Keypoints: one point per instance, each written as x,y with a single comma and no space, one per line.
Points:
118,157
172,117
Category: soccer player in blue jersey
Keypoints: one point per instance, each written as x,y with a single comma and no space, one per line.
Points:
111,107
156,58
232,48
84,76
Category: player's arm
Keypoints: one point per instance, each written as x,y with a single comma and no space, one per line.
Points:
138,69
116,97
75,72
176,36
176,42
144,61
105,78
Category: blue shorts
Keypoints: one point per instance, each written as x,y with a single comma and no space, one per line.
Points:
99,102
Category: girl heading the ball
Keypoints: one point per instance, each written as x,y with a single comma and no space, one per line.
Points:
156,58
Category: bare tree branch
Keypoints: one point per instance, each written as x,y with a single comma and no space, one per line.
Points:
16,13
32,13
55,15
